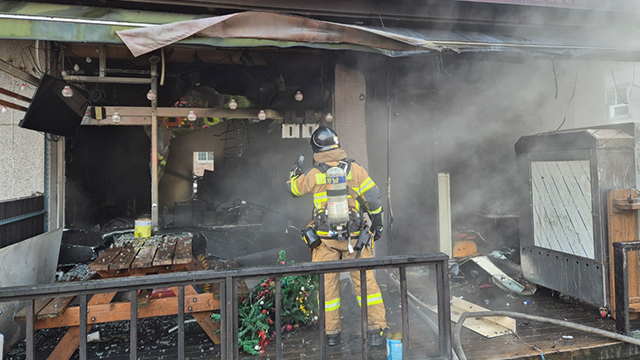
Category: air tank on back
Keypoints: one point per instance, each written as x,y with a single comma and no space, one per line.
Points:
337,196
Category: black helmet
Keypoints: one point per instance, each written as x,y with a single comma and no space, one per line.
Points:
324,139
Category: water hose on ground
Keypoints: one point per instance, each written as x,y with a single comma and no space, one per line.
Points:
457,346
415,304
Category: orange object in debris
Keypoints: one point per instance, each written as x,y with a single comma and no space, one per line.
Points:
464,248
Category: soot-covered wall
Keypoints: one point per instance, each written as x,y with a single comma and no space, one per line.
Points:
252,163
107,175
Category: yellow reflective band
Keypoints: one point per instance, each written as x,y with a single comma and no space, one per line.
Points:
294,188
374,299
319,199
366,185
321,178
332,305
349,176
376,211
371,299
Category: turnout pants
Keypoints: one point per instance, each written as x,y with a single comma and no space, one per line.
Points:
335,250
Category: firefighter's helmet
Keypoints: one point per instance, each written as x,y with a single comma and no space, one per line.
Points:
324,139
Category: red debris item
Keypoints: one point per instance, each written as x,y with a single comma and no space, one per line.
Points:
162,293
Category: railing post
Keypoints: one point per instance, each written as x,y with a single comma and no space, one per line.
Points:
181,354
404,302
321,317
230,324
31,322
621,273
444,308
223,320
364,311
278,301
133,327
82,347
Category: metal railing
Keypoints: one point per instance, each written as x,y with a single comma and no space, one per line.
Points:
621,274
228,281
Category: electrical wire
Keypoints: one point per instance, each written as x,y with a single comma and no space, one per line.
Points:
615,84
555,76
570,100
457,345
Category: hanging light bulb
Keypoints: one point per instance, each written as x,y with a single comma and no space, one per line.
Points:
233,104
63,73
88,60
76,67
262,115
4,110
116,118
192,116
298,96
67,91
151,95
23,86
328,117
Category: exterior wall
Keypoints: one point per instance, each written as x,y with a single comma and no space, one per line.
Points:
620,79
21,150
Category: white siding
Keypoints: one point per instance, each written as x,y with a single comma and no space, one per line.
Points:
562,218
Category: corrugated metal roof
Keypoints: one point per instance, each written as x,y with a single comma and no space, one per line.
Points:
24,20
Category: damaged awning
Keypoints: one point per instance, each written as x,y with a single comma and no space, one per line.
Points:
145,31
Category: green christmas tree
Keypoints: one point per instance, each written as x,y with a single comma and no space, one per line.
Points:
256,314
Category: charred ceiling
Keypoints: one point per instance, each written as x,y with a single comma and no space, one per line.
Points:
267,78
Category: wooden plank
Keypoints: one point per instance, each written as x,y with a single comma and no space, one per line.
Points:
145,256
70,341
125,258
143,298
145,271
164,255
183,251
38,306
204,318
55,307
623,226
103,261
102,313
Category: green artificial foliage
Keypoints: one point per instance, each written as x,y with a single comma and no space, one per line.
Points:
256,314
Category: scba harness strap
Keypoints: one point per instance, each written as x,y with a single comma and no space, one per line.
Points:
356,220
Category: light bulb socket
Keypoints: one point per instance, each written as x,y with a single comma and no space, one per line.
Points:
151,95
298,96
233,104
192,116
116,118
262,115
328,117
67,91
4,110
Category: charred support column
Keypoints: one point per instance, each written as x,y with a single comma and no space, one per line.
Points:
350,98
154,145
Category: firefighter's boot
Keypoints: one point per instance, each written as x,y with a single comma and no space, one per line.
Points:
377,337
333,339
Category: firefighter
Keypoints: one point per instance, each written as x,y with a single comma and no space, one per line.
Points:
344,235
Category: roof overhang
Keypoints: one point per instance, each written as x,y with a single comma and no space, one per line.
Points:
145,31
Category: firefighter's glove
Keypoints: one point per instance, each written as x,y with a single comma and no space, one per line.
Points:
376,226
295,172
